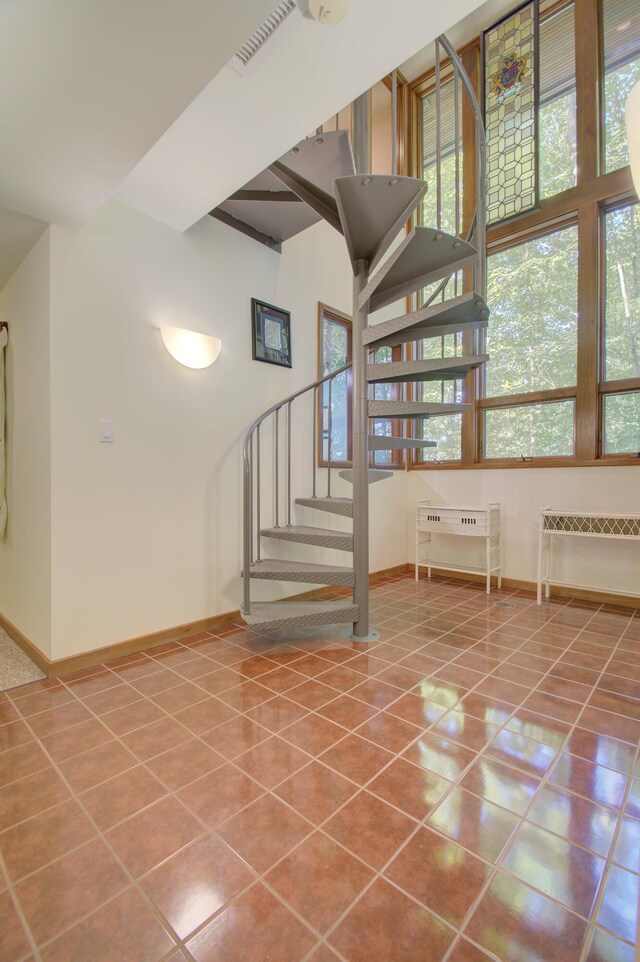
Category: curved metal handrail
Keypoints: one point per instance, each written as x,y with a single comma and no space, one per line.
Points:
481,166
247,458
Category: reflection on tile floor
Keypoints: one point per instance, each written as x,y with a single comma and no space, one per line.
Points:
465,790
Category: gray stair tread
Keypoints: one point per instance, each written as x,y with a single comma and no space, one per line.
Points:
413,409
310,168
442,317
373,475
322,158
424,256
306,534
373,209
276,569
378,442
283,614
342,506
434,369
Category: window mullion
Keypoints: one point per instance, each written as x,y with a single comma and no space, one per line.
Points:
588,99
589,269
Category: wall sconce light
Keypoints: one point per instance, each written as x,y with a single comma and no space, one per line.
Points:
632,117
190,348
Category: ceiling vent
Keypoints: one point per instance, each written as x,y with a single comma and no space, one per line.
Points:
249,50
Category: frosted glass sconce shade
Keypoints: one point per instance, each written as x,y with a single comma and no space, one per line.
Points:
632,117
190,348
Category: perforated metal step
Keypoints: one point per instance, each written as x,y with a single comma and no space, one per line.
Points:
274,569
469,311
413,409
438,369
275,615
373,209
341,506
303,534
425,255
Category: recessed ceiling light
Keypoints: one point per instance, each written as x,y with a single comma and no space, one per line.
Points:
329,11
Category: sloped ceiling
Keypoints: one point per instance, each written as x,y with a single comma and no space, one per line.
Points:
90,85
133,99
239,124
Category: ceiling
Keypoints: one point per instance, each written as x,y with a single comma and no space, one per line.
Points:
135,100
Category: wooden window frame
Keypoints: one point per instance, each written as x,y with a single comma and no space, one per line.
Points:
584,204
397,460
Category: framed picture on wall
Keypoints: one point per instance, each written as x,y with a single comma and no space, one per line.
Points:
271,333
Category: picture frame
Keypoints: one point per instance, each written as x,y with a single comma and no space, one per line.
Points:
270,333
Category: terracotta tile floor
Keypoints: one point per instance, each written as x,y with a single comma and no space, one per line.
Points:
465,790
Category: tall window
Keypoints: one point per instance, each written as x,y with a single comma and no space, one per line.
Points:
563,382
335,345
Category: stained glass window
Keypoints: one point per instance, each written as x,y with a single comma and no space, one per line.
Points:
510,106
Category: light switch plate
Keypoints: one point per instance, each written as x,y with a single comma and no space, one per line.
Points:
106,432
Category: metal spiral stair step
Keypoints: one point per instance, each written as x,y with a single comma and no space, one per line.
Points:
275,615
436,369
445,317
424,256
378,442
304,534
372,474
341,506
310,168
275,569
413,409
373,209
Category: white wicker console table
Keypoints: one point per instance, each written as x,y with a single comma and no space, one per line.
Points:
478,522
582,524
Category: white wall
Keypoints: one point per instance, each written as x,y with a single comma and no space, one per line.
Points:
146,532
611,564
25,554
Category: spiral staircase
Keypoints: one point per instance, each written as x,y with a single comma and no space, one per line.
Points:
369,211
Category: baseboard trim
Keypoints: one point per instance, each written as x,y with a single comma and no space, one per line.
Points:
557,591
31,650
64,666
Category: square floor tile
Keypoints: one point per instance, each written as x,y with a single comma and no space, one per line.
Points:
389,732
370,829
410,788
316,791
501,784
593,782
347,711
385,924
220,794
564,872
440,874
14,944
313,734
272,761
30,845
577,819
55,897
619,907
146,839
196,883
264,832
319,879
606,948
356,758
477,824
521,752
181,765
514,922
95,766
30,796
125,928
438,755
122,796
231,935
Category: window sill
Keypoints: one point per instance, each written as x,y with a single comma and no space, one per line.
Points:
610,461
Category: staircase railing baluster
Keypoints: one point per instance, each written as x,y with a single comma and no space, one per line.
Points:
277,468
314,439
329,424
438,141
258,496
289,464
